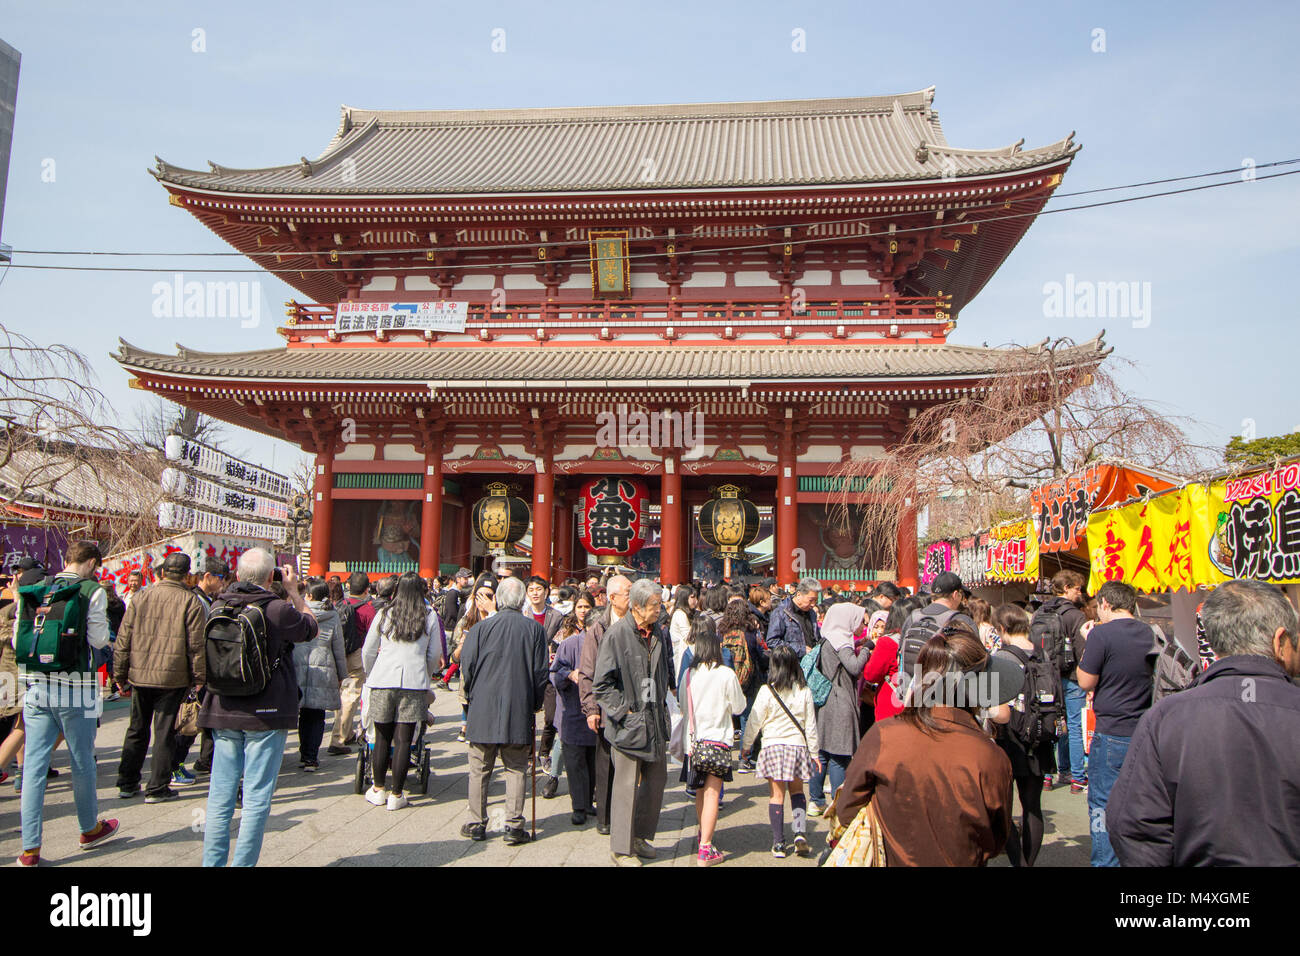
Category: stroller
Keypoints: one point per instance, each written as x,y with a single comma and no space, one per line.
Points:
421,755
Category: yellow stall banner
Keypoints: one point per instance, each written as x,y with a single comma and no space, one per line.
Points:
1200,536
1013,552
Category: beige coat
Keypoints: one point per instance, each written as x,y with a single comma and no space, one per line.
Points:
160,642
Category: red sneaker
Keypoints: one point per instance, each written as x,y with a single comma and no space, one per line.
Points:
103,831
1047,783
29,857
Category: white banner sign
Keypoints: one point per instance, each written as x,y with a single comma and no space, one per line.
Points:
372,316
172,515
148,560
207,460
200,491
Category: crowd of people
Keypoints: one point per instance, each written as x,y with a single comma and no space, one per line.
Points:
923,717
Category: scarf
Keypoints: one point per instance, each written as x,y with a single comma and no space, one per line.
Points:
841,623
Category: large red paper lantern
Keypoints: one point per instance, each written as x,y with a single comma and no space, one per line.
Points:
614,520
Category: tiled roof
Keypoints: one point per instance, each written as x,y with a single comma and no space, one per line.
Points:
571,365
850,140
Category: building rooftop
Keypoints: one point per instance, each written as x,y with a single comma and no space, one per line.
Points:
846,140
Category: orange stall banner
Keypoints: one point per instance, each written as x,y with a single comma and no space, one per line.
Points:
1061,507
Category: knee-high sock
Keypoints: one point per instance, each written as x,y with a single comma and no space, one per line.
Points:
776,816
799,806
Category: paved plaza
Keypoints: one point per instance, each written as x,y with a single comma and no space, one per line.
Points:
318,820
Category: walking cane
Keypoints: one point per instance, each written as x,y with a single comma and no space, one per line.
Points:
533,763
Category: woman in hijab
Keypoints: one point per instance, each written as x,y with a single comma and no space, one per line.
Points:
838,725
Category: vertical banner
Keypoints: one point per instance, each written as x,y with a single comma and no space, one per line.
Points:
609,268
940,556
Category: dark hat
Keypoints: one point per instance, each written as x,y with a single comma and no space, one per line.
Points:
1000,680
464,573
997,681
486,580
946,583
178,562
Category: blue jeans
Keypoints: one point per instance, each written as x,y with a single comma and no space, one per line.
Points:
1108,754
1070,757
833,765
254,755
48,711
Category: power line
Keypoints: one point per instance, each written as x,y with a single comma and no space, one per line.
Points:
586,260
994,204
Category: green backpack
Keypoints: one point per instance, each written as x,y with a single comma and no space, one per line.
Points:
52,625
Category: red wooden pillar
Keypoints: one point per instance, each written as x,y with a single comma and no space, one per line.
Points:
563,543
543,493
322,516
670,524
462,544
787,515
907,563
431,511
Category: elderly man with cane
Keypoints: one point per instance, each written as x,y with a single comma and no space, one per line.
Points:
505,668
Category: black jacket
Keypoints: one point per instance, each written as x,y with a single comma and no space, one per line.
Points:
631,687
506,667
451,605
276,707
1212,776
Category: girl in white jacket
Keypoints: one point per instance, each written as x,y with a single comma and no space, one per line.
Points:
711,696
784,714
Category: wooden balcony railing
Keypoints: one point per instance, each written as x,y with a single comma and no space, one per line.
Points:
888,316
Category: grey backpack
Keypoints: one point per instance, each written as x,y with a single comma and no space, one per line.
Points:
1173,669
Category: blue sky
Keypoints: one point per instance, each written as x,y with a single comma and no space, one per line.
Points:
1178,90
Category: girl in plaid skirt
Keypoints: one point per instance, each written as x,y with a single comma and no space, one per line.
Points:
784,714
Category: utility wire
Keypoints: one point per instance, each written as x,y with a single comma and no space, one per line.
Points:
520,266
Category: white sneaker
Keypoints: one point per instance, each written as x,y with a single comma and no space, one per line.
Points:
815,809
376,796
396,801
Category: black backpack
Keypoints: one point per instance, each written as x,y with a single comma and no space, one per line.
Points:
917,635
353,639
1048,633
1038,714
238,656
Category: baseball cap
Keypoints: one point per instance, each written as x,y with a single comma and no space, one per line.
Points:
946,583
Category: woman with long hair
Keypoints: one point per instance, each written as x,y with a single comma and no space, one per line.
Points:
679,624
711,695
784,714
937,757
403,649
981,612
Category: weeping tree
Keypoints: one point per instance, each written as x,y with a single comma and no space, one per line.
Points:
1048,410
57,453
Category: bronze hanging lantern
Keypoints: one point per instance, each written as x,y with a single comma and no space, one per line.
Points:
728,523
500,519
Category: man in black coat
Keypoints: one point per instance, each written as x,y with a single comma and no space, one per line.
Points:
506,669
1225,748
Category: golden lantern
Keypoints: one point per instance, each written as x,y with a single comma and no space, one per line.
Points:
500,519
